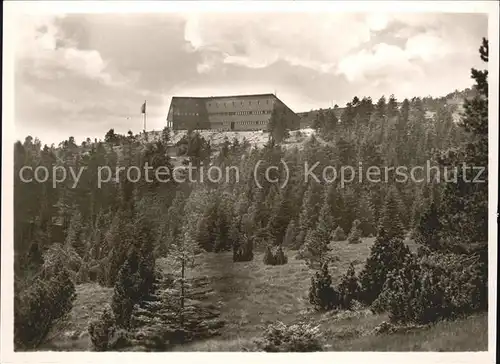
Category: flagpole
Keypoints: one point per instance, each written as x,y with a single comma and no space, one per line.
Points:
145,111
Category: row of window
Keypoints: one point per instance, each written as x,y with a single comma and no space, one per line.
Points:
177,113
259,112
257,122
235,102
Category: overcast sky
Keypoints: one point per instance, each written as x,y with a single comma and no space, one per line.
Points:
81,75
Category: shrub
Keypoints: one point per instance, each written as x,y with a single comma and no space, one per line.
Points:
243,252
299,240
49,298
355,233
316,249
385,255
102,330
289,239
349,288
61,254
279,337
277,257
268,256
430,288
82,276
321,293
339,234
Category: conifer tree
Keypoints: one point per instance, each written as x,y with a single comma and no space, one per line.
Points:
183,253
75,236
355,233
125,294
102,330
310,207
316,246
366,217
289,240
334,200
390,223
339,234
429,228
349,287
386,254
268,256
465,203
280,218
321,293
279,256
243,249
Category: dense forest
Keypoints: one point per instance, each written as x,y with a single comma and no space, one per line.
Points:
113,233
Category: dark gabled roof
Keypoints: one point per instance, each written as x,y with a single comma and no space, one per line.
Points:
222,97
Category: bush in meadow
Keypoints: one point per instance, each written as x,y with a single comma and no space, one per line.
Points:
355,233
386,254
102,330
430,288
349,288
322,295
339,234
279,337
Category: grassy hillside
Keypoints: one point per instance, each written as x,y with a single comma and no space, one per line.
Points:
253,294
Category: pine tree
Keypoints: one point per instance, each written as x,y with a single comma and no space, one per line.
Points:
385,255
334,200
339,234
349,204
349,287
144,241
355,233
310,207
366,217
325,220
465,203
280,218
321,293
289,240
118,241
75,236
279,256
300,240
243,249
392,107
429,228
316,246
183,253
102,330
44,301
277,126
390,223
125,294
269,256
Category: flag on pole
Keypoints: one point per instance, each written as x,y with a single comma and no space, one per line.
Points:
143,108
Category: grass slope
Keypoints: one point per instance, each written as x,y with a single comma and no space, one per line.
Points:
253,295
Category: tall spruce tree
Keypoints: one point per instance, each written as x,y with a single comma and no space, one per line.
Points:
316,246
465,203
429,228
390,225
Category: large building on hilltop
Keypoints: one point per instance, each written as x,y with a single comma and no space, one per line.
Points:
238,113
